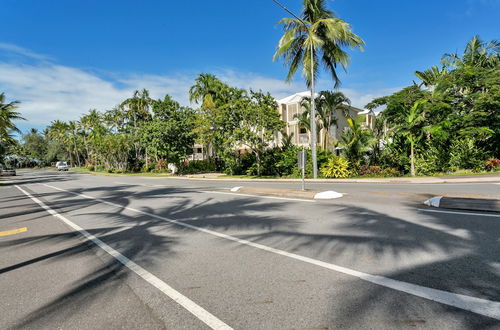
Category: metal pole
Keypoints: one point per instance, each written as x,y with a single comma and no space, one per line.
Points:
303,169
313,118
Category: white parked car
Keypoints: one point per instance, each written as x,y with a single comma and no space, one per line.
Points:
62,166
6,170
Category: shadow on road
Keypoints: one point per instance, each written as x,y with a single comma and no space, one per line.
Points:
452,253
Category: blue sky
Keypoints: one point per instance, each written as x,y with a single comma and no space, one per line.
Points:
61,58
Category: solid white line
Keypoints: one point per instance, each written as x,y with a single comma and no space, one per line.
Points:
477,305
259,196
198,311
462,213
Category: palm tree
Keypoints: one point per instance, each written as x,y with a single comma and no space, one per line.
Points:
356,140
431,77
59,131
317,36
477,53
329,103
8,115
410,128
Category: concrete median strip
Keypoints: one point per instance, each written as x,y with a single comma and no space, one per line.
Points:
288,193
460,203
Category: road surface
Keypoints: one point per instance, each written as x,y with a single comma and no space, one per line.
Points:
81,251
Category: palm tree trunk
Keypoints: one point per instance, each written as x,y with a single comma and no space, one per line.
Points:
412,159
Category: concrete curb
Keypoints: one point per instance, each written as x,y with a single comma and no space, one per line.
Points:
405,180
290,193
458,203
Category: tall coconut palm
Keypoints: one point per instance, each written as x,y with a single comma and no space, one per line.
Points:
8,115
317,36
477,53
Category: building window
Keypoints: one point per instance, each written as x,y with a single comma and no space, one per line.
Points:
283,112
303,130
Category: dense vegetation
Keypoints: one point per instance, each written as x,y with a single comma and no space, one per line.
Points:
447,122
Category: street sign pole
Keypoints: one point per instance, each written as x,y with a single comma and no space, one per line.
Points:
302,165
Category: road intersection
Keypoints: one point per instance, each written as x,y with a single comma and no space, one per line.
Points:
375,258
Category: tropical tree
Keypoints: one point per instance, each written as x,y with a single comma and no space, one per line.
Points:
329,105
356,140
8,115
411,128
477,53
316,37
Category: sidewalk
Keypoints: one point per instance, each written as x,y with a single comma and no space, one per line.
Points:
495,178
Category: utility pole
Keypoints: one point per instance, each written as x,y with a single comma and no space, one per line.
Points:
313,101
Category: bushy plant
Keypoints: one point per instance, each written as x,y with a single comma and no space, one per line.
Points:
492,164
336,167
161,164
110,170
464,154
197,166
370,170
390,172
99,168
91,167
148,167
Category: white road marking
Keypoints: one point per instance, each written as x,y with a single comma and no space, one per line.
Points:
259,196
477,305
198,311
463,213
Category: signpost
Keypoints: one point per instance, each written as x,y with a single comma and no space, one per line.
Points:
302,165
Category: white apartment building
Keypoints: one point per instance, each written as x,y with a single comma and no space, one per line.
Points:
290,107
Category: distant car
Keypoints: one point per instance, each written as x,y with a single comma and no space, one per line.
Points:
62,166
6,170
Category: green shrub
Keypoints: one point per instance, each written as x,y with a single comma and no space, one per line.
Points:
99,168
390,172
197,166
148,167
336,167
464,154
110,170
91,168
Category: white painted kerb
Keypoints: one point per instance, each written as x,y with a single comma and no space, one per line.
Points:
434,201
329,194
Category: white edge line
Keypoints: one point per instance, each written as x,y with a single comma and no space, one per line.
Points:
198,311
259,196
462,213
477,305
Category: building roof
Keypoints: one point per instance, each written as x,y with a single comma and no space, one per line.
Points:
296,98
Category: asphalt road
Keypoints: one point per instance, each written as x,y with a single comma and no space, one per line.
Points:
152,253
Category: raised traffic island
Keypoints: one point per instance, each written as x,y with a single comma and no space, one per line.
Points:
460,203
288,193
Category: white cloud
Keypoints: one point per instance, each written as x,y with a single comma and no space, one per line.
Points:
48,91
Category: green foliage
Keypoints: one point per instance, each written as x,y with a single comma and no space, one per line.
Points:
91,168
356,141
466,155
197,166
336,167
321,39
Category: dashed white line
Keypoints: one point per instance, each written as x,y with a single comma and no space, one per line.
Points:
477,305
198,311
